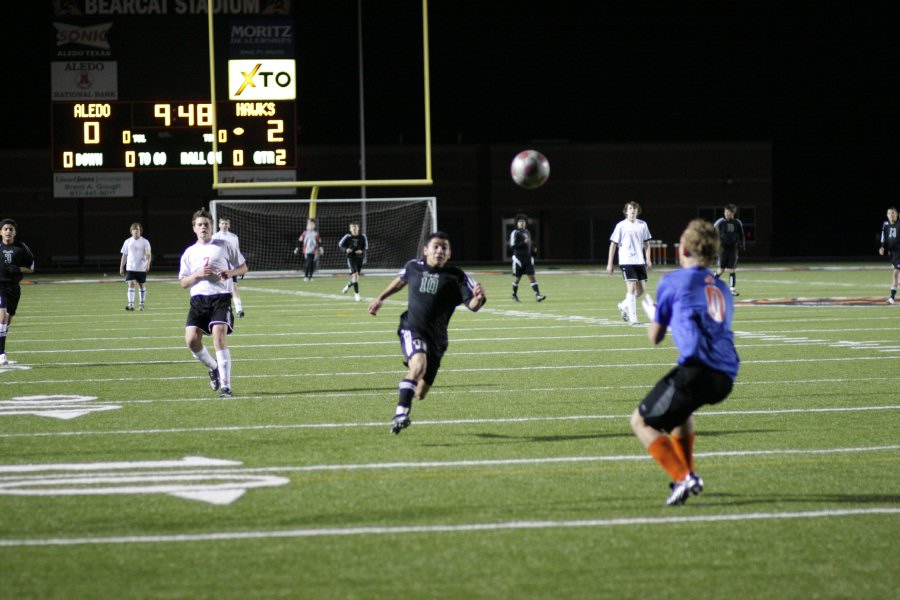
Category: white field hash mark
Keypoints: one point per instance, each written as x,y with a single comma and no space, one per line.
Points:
459,528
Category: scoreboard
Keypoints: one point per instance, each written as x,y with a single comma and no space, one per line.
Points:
129,135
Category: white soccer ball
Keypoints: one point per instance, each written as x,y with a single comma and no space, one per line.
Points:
530,169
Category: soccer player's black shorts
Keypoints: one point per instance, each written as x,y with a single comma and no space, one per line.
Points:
634,272
411,343
522,266
682,391
9,296
139,276
728,257
354,263
207,311
895,258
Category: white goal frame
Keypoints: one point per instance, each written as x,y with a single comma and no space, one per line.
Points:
268,243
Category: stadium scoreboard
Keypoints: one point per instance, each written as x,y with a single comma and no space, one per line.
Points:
96,135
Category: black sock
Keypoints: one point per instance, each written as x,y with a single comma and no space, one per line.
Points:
893,294
407,389
515,289
536,288
733,279
356,286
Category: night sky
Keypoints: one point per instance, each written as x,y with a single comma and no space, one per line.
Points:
818,80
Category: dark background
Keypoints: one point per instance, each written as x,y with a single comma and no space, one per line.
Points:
817,80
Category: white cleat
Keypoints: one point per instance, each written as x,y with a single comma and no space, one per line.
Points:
356,297
3,360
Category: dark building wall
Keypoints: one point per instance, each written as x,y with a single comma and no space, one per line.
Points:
574,212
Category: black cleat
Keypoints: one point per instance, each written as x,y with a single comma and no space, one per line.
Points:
515,298
129,307
225,393
240,314
540,298
214,378
400,423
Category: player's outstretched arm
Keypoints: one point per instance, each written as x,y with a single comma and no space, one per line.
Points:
393,287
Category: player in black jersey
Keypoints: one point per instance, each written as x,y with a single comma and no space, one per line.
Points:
355,245
435,290
16,260
523,252
731,235
891,247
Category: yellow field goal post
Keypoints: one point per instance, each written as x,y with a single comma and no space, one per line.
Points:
426,180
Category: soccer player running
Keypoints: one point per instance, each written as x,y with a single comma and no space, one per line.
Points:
16,260
225,233
731,233
699,309
523,258
435,290
135,263
207,268
891,246
355,245
632,239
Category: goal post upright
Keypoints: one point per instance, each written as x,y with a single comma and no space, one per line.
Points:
426,180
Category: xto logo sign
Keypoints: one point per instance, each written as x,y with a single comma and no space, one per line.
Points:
261,79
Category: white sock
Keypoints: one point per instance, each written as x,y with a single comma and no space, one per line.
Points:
205,357
631,303
224,358
143,295
238,305
131,295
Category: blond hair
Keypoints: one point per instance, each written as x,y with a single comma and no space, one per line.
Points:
701,241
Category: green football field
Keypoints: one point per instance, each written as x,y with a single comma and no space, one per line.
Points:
124,476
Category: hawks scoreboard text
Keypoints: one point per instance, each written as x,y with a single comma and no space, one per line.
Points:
120,135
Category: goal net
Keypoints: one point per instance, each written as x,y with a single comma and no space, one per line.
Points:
395,228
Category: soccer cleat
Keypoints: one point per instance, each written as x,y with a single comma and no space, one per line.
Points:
141,306
240,314
890,300
623,311
3,360
346,289
356,297
540,298
695,483
214,378
129,307
734,292
515,298
400,423
225,393
679,494
634,323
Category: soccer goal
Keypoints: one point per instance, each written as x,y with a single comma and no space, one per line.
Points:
396,229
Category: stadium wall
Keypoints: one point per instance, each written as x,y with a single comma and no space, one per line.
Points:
574,212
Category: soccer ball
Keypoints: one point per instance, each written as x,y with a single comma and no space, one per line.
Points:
530,169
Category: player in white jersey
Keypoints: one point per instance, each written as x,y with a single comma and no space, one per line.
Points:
632,239
135,263
207,268
225,233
